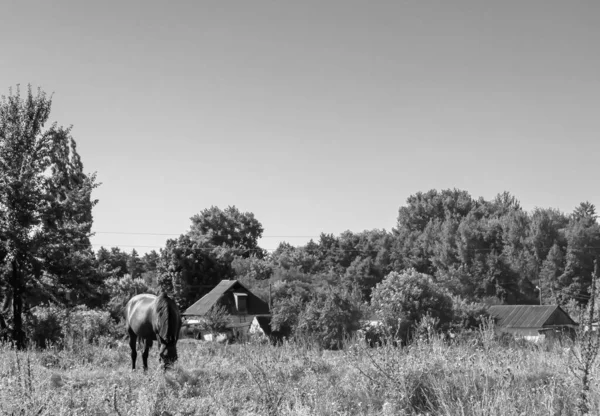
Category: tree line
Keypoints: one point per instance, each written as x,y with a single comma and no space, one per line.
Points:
446,243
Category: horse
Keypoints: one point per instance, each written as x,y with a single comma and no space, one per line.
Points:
153,318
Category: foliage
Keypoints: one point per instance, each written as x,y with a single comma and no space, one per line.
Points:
583,239
327,318
361,260
403,299
52,325
285,315
83,325
215,320
120,290
189,269
590,345
193,264
45,203
252,268
230,228
467,315
44,325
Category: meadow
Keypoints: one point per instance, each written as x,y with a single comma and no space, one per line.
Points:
479,376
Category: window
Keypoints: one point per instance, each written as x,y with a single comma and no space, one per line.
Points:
241,300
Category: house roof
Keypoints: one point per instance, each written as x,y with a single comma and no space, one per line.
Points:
203,305
529,316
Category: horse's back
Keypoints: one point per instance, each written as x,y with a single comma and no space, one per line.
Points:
139,315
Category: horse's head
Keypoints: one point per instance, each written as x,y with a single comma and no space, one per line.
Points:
168,352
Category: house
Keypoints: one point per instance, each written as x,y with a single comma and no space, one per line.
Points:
532,321
248,312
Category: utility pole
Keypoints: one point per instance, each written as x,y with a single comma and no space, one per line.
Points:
270,302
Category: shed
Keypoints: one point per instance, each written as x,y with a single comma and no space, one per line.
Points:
243,306
531,320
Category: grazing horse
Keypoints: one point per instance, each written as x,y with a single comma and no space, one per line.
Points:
153,318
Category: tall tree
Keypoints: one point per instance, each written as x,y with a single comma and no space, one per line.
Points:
228,228
583,242
189,269
135,266
113,263
45,201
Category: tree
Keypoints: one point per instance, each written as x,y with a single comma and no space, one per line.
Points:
583,239
402,300
188,269
230,228
45,201
135,266
288,257
546,228
150,261
113,263
420,227
149,266
550,273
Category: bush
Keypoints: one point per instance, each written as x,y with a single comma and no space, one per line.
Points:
402,300
52,325
327,318
43,325
467,315
88,326
120,290
285,316
216,320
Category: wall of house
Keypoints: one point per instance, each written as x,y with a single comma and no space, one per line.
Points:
518,332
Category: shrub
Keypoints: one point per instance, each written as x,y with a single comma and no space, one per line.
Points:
285,315
43,325
216,319
327,318
120,290
467,315
52,325
401,300
88,325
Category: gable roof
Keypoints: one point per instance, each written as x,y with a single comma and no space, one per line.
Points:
529,316
203,305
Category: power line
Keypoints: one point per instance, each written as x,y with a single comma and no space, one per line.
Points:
176,234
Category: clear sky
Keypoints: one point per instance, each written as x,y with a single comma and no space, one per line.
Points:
317,116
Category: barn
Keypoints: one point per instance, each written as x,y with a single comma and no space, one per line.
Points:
530,321
248,312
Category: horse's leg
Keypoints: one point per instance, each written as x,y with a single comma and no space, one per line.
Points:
133,345
147,346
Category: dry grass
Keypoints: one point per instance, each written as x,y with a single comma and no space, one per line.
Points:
477,378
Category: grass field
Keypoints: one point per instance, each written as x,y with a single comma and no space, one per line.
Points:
478,377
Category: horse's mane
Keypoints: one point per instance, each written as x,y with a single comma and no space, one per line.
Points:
166,318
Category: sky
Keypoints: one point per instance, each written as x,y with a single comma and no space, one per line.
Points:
316,116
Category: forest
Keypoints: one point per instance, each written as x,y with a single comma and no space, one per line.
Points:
472,251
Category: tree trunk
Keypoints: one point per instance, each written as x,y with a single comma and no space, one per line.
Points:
17,286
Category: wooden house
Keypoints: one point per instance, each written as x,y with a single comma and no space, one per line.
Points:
247,311
532,321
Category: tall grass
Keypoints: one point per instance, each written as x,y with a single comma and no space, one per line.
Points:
479,376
